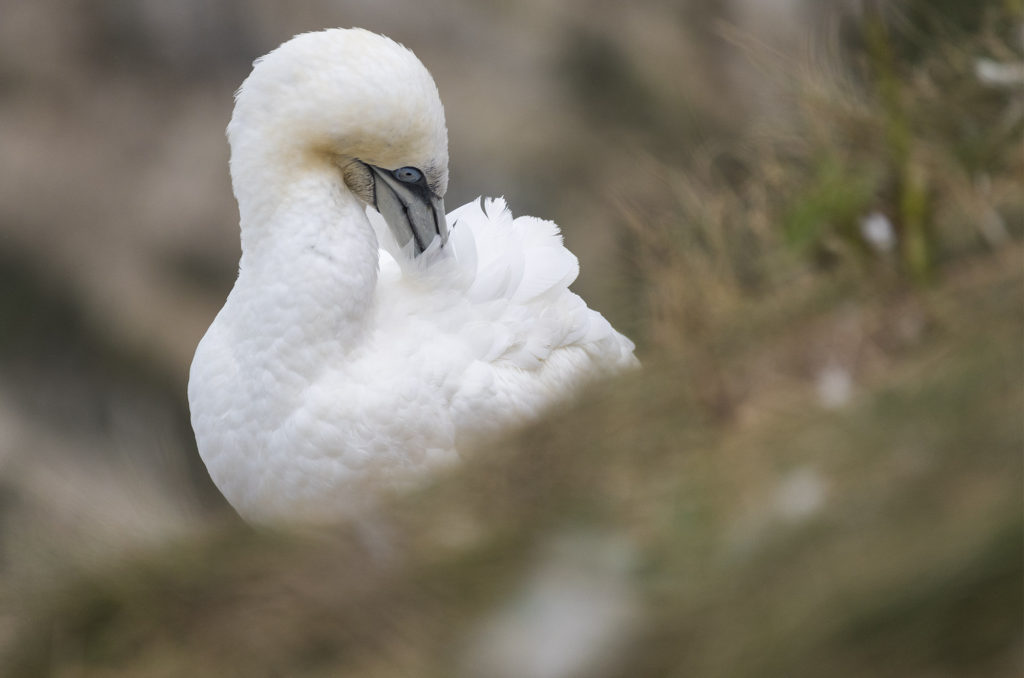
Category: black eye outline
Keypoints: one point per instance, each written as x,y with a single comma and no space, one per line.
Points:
408,175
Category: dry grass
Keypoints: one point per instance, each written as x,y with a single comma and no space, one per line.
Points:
923,142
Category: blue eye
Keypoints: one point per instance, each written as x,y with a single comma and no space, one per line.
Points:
408,175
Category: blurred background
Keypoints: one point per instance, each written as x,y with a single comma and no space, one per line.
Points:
807,214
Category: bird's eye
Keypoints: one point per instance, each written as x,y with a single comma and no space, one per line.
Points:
408,175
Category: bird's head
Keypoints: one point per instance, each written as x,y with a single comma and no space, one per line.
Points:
365,103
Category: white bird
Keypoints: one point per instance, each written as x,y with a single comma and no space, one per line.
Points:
368,338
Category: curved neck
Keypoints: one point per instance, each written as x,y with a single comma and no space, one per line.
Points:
309,255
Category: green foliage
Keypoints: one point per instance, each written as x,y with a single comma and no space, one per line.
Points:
832,201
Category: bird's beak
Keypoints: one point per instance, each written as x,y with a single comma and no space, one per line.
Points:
413,212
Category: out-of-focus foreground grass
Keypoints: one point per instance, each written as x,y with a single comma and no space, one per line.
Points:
818,471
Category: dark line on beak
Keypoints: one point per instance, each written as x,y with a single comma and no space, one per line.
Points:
415,236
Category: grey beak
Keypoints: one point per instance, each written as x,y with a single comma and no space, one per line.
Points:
413,212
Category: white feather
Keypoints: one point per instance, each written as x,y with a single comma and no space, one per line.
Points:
341,364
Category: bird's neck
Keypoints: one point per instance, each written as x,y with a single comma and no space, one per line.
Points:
309,255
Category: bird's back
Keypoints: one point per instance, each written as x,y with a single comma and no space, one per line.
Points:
502,302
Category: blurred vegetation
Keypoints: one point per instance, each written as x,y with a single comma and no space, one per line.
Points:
907,132
819,469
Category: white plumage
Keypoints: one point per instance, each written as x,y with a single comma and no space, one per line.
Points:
356,351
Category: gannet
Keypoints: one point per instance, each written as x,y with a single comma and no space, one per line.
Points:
369,338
